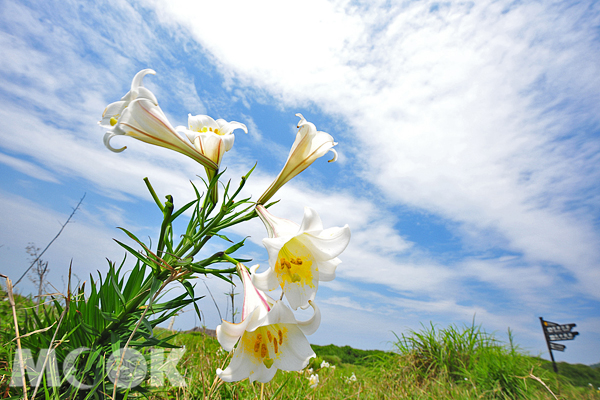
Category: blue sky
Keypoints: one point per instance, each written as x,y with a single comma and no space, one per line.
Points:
468,139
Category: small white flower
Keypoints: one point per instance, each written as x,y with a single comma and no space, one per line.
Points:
324,364
310,370
351,378
313,381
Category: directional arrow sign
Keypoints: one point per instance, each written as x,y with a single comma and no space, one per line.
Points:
562,336
557,346
555,332
559,328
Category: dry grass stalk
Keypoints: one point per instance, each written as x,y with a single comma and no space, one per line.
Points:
543,384
11,300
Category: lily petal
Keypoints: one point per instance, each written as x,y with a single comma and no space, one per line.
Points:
276,227
327,269
311,221
253,298
228,334
264,280
329,243
311,325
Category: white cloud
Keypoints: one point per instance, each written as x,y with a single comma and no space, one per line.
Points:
480,116
454,105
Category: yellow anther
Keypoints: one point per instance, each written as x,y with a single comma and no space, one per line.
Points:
256,346
276,346
280,336
217,131
259,337
268,362
269,336
113,121
299,261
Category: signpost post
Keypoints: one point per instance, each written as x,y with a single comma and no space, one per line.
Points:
555,332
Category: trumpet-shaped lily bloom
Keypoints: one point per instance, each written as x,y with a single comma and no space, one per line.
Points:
309,145
211,138
138,115
300,255
268,338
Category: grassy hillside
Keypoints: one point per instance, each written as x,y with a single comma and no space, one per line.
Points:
493,374
577,374
433,363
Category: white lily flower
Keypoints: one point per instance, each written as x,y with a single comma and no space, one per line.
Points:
313,381
325,364
309,145
138,115
299,255
211,138
268,338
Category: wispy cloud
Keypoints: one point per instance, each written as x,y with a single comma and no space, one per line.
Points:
481,115
455,107
27,168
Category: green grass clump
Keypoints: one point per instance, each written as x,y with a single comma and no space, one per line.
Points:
467,356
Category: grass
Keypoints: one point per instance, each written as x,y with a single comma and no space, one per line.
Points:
432,363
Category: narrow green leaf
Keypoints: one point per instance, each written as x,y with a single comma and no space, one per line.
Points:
182,210
115,343
108,316
197,310
147,326
135,253
223,237
118,292
236,246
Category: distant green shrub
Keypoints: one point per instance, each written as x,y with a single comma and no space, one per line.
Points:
349,355
577,374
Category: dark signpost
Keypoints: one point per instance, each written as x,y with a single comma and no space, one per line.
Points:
555,332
